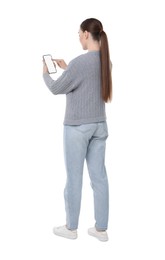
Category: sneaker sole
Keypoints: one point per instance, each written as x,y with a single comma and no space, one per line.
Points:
99,238
65,236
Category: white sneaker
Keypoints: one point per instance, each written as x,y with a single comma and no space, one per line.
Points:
63,231
100,235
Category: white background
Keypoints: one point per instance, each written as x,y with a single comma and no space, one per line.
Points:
32,173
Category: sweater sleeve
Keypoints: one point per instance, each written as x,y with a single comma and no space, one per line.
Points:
65,83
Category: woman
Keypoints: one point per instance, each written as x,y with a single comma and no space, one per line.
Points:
87,83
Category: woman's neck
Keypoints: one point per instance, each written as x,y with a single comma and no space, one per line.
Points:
93,46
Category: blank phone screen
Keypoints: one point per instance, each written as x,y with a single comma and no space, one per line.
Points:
49,63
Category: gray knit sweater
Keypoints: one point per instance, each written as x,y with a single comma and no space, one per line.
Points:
81,82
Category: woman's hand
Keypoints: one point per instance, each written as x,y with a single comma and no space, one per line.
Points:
45,68
61,63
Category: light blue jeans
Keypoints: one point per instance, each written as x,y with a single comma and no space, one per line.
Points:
86,142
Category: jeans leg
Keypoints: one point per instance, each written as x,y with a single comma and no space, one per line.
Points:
75,147
96,166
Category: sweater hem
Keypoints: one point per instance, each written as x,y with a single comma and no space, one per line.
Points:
84,121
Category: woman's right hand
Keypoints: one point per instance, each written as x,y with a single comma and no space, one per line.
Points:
61,63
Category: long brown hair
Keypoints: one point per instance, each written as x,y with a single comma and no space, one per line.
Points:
95,27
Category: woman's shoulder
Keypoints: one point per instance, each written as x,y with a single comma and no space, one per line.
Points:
82,58
79,58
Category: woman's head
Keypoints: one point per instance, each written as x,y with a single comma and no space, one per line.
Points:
92,26
90,34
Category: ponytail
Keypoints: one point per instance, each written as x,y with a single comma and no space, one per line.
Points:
95,27
106,67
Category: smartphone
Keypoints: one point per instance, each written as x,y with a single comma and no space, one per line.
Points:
49,63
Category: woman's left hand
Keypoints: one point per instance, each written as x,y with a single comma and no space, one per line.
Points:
45,68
